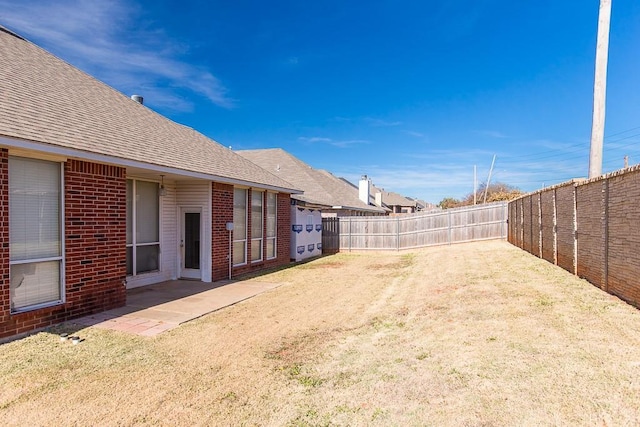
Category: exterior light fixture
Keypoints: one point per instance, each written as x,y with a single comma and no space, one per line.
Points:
163,191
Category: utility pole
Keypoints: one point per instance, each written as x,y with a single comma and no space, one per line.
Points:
600,89
626,162
486,189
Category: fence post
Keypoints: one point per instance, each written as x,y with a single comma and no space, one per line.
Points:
349,234
397,233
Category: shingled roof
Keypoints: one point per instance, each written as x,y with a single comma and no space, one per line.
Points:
320,187
390,198
53,104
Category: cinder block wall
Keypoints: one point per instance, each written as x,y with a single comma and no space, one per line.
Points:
590,228
95,246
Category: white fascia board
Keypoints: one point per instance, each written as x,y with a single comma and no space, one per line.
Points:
66,152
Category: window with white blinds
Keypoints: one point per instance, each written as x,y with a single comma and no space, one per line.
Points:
271,225
35,233
143,227
239,226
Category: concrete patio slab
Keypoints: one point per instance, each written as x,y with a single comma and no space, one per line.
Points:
153,309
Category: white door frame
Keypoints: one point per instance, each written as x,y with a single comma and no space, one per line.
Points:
188,273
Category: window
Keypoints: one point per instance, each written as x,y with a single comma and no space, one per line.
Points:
239,226
143,227
271,225
35,234
257,231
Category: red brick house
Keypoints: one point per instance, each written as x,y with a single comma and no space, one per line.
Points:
98,194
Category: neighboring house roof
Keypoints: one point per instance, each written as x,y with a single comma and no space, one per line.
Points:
320,187
423,205
390,198
344,194
57,107
372,199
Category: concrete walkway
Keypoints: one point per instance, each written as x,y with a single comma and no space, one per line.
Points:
153,309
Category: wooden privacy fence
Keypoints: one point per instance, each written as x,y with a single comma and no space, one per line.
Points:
482,222
590,228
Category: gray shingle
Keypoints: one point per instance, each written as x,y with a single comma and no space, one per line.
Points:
320,187
390,198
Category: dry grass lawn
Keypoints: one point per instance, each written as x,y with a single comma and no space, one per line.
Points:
474,334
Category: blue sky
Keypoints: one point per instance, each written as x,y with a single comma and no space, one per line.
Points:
411,93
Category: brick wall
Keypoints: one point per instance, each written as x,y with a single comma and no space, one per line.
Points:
222,213
95,237
548,225
565,226
519,223
95,246
623,243
511,221
514,223
590,202
536,245
592,229
284,228
4,247
527,235
524,224
222,205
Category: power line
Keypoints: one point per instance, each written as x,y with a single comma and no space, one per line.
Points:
620,133
569,149
622,139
